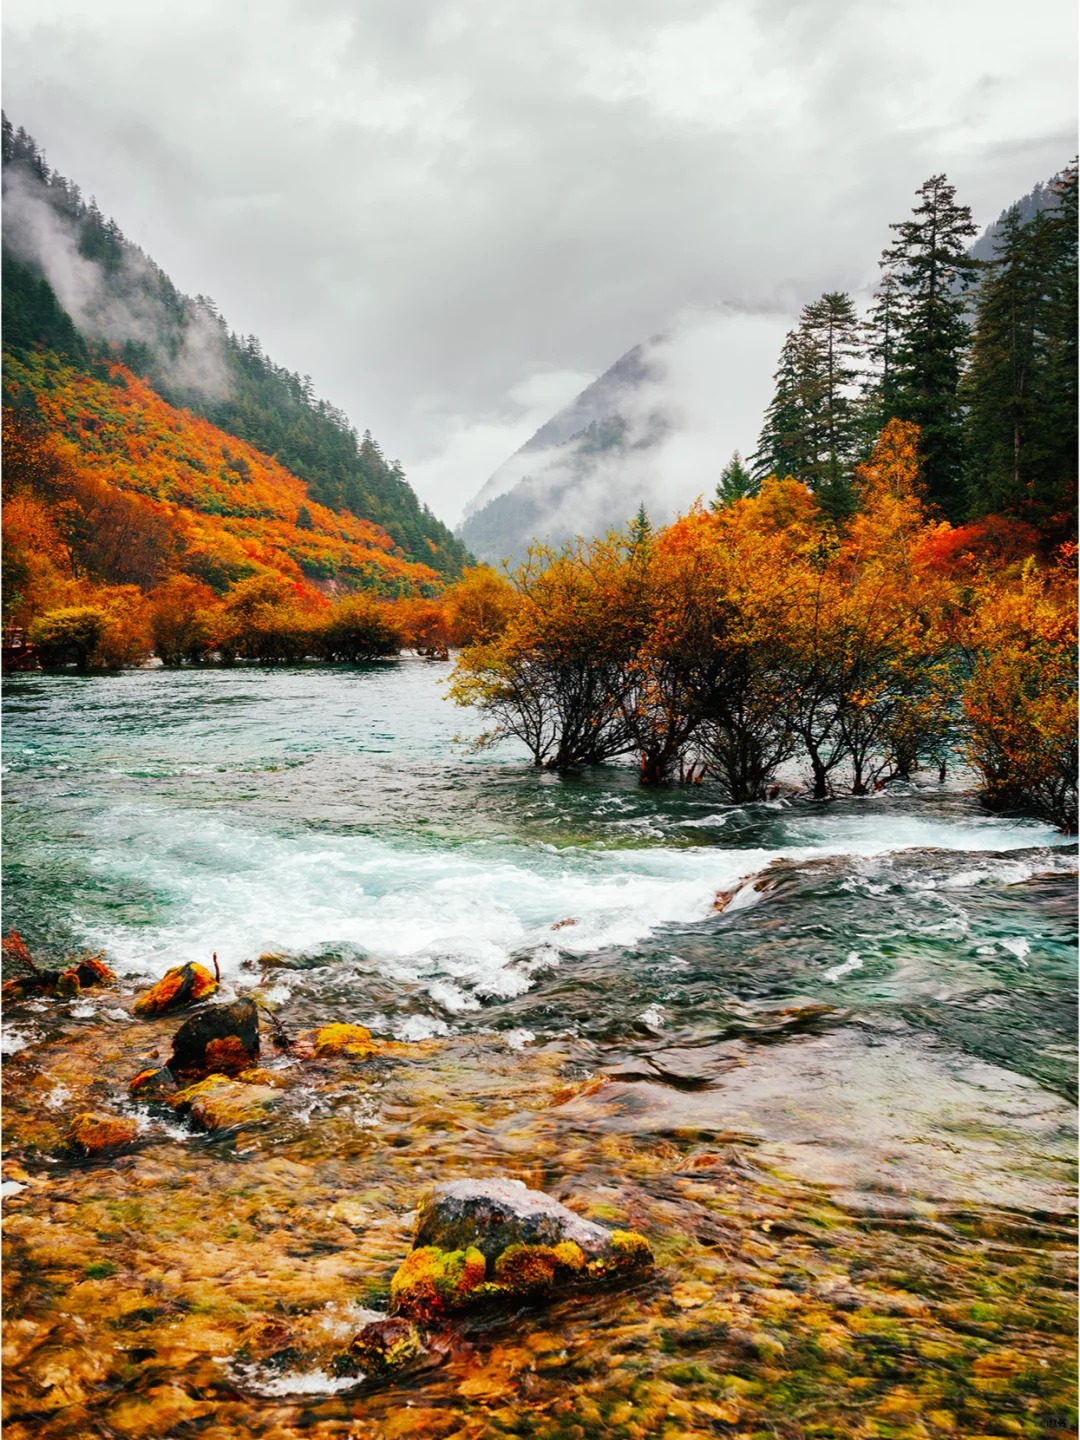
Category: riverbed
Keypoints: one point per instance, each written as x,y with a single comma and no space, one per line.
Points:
839,1100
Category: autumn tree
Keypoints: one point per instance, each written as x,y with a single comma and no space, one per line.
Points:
185,620
1020,698
556,677
479,606
360,628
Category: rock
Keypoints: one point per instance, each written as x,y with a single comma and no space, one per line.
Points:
91,971
67,985
352,1040
60,984
222,1040
483,1241
179,987
218,1103
153,1083
96,1134
258,1075
382,1347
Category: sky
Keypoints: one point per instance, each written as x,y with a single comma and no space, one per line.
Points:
453,216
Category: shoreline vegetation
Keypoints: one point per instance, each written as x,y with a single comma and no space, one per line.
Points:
738,639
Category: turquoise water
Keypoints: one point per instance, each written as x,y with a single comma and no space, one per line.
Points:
334,819
870,1048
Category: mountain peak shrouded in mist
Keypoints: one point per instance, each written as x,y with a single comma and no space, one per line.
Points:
75,284
654,429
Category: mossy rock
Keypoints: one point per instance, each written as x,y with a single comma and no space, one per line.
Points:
382,1348
94,1134
353,1040
179,987
220,1103
491,1242
431,1283
221,1040
156,1082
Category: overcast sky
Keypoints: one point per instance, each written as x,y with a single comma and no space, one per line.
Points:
454,215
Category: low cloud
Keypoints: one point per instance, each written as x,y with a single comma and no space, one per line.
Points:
696,394
116,306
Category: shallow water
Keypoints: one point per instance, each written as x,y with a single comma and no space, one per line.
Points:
598,1027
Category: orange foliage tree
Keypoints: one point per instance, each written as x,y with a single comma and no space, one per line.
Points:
736,639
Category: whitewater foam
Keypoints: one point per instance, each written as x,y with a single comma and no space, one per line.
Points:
462,921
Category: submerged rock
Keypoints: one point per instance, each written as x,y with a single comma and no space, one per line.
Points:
218,1103
354,1040
381,1348
153,1083
96,1134
480,1241
222,1039
181,986
83,974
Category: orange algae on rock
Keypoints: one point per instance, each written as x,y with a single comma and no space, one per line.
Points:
354,1040
218,1039
227,1055
92,970
94,1134
430,1282
531,1269
155,1082
180,986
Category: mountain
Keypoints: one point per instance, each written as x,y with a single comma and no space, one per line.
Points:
1042,197
633,437
85,308
653,430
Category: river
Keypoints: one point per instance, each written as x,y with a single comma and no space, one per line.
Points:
870,1050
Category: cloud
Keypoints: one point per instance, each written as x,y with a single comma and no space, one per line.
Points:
120,306
703,377
424,206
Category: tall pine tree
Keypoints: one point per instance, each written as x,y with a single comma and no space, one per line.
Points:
810,428
880,330
1020,387
1056,384
934,271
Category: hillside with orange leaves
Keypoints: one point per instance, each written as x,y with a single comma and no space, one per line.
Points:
233,510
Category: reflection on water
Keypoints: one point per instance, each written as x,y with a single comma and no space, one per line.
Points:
871,1042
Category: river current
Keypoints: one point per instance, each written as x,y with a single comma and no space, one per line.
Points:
329,835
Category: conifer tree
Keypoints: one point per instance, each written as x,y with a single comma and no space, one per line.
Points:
832,323
1000,385
1020,387
736,483
934,271
810,426
879,331
784,445
1055,451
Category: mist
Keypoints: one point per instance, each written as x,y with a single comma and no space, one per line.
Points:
117,306
706,382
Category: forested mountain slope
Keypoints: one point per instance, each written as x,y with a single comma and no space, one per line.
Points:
74,286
